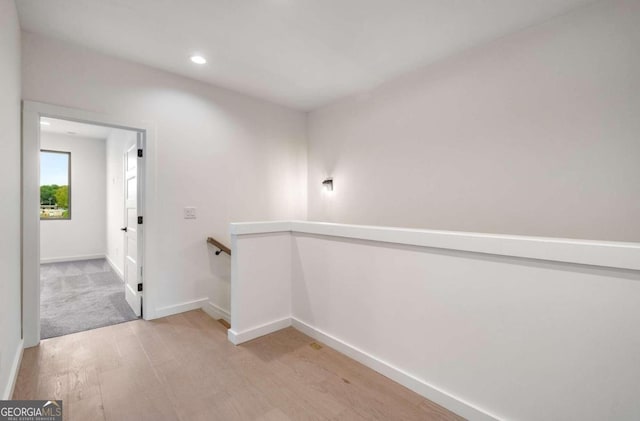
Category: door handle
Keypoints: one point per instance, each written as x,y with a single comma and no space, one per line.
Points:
123,229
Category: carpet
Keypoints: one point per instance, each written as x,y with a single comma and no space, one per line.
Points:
81,295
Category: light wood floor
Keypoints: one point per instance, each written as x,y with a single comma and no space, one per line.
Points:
183,368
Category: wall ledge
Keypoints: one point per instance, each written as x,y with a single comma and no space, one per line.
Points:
621,255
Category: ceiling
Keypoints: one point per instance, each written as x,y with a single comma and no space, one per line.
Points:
300,53
74,128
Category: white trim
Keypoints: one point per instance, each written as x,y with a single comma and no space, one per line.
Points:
587,252
419,386
180,308
241,228
7,393
72,258
115,268
216,312
239,337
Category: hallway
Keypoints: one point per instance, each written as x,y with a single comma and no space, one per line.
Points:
182,367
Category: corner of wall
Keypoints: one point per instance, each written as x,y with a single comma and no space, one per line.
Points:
11,343
10,386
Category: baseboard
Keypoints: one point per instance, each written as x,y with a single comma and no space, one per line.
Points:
179,308
239,337
72,258
419,386
115,268
216,312
7,393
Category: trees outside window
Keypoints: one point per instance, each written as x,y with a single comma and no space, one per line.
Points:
55,183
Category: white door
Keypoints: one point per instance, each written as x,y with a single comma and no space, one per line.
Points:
133,229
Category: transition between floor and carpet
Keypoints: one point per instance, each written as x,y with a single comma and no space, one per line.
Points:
81,295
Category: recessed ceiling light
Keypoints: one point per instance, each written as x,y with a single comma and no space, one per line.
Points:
198,59
45,123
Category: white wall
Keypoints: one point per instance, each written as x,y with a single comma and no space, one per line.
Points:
256,304
10,319
117,142
524,328
83,236
232,157
535,133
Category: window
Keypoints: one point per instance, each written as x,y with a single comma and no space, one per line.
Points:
55,185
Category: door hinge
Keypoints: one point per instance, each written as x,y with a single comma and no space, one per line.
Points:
140,287
140,220
140,153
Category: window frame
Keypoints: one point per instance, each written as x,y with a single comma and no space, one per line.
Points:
68,153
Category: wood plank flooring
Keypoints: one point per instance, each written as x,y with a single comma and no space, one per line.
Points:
183,368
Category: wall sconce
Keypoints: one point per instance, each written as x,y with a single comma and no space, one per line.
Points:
328,184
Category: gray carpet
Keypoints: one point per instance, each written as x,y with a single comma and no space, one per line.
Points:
82,295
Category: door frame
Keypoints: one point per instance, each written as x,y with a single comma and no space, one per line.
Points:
30,192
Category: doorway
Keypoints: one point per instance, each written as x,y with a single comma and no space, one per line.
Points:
83,255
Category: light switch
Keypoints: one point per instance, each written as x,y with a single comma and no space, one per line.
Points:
189,213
